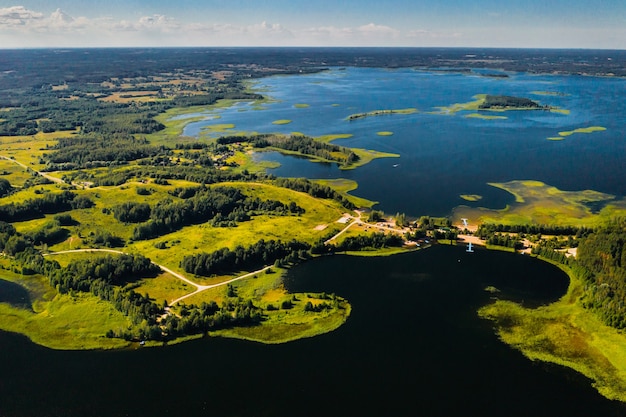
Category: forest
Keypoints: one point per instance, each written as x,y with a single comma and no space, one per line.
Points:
503,102
222,205
603,256
50,203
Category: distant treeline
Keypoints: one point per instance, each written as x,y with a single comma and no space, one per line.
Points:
49,204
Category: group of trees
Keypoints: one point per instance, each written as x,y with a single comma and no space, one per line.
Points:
361,242
131,212
486,229
160,174
224,260
497,102
313,189
209,316
227,204
97,151
5,187
50,203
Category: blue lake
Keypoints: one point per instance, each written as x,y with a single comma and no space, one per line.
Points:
445,155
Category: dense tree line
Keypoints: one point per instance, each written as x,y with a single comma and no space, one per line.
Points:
224,260
487,229
361,242
313,189
221,204
201,175
48,204
372,241
504,239
603,255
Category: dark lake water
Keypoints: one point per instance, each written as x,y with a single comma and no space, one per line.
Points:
444,156
413,346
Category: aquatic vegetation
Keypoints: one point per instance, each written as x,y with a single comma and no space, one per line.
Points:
281,122
384,133
484,116
471,197
540,203
567,334
590,129
301,106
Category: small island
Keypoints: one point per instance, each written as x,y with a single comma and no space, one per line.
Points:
380,113
497,102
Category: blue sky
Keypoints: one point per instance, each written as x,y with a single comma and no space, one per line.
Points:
487,23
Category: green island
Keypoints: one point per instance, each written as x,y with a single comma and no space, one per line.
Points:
374,113
385,133
118,231
496,103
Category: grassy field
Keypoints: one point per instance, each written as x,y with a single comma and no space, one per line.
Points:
57,321
566,334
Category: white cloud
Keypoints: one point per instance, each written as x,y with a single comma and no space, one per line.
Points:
21,27
18,16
